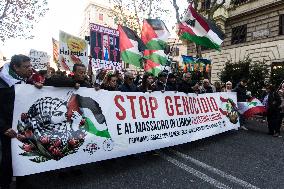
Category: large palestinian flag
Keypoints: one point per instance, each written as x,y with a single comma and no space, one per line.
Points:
199,30
130,46
90,110
154,35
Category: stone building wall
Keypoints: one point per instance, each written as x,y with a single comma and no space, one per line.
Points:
263,42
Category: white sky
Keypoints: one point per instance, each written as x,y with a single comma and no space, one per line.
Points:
65,15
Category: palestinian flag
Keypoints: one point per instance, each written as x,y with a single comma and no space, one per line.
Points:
199,30
251,108
152,64
154,35
130,46
91,111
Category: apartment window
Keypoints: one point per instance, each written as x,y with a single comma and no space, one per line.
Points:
239,34
238,2
101,17
126,65
174,51
281,24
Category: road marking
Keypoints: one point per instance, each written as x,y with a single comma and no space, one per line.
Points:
215,170
194,172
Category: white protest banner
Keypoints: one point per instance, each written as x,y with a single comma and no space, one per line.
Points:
39,59
106,65
67,127
72,50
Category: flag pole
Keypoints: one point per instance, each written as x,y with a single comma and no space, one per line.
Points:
170,65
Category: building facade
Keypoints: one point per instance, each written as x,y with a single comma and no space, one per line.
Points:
178,48
254,29
98,14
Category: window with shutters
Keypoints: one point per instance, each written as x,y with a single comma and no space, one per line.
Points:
239,34
177,51
126,65
174,51
281,24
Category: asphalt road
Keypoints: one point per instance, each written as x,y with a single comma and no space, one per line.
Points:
235,159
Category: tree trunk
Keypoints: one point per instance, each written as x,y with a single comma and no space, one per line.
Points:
177,10
198,51
150,8
136,15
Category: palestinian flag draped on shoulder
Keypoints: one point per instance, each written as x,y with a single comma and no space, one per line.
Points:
251,108
199,30
155,36
131,46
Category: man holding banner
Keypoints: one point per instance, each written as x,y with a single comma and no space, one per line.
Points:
18,71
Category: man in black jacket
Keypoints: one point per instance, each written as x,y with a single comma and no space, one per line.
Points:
18,71
241,91
186,84
171,84
274,118
206,87
128,84
161,83
79,79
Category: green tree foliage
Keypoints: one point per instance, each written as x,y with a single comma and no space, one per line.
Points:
255,72
277,75
259,72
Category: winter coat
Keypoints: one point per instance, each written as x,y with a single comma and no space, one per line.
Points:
273,104
63,81
128,88
241,93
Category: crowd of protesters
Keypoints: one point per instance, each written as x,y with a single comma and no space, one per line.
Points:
20,71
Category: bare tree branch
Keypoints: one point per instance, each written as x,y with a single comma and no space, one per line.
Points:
177,11
136,15
5,10
150,8
19,16
195,2
214,8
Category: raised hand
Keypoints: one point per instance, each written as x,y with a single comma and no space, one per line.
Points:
11,133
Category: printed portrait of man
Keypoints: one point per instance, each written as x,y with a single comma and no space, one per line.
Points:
105,46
